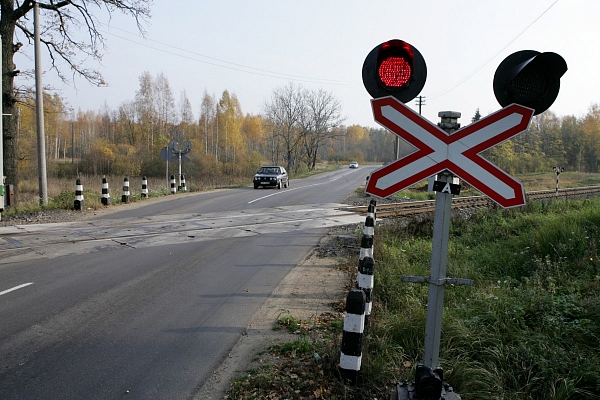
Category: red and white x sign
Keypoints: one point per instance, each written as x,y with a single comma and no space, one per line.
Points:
458,152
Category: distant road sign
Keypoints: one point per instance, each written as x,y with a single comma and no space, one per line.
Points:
458,152
167,154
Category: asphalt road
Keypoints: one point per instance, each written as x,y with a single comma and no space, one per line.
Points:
144,303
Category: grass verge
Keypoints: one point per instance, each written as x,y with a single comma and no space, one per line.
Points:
529,329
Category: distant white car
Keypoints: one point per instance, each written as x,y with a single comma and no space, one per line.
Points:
353,164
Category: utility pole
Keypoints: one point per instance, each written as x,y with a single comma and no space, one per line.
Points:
39,101
420,100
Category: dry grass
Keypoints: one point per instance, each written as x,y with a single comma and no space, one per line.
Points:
61,190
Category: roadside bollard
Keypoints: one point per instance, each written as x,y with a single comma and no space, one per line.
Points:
352,336
125,196
366,247
79,204
369,228
105,200
182,180
173,183
144,187
365,282
366,265
371,208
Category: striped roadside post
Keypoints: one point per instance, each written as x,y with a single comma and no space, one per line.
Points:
352,336
366,247
173,185
125,196
79,204
366,266
369,228
365,281
144,187
182,180
105,200
371,209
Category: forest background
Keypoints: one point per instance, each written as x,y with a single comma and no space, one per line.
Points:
297,127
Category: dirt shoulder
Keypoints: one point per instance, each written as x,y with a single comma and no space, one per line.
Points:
310,289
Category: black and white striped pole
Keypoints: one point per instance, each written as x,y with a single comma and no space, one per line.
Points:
366,265
173,184
371,209
125,195
369,228
365,282
105,199
557,170
366,247
182,180
144,187
352,336
79,203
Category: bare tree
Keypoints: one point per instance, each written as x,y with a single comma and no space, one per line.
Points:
304,120
323,114
285,110
61,20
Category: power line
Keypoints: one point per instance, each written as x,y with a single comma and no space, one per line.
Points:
495,55
298,78
234,66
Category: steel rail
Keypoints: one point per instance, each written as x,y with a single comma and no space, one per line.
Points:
424,206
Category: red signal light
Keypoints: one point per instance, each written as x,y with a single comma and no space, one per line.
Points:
394,68
394,72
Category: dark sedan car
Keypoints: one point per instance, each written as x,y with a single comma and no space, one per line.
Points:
271,176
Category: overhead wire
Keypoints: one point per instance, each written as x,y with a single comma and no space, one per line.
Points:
231,65
494,56
299,78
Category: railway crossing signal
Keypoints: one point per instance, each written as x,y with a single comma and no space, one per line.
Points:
529,78
458,152
394,68
526,83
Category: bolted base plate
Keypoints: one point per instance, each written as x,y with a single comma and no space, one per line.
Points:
406,391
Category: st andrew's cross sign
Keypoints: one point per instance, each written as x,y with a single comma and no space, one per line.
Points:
458,152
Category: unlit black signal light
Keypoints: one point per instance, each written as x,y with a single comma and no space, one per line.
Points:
394,68
529,78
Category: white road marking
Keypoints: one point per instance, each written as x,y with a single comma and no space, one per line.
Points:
302,187
16,288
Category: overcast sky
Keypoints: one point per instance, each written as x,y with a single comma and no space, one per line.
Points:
251,47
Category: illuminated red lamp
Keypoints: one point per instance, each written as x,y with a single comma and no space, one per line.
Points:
394,68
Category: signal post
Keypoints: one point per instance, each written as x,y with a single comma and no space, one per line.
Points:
526,83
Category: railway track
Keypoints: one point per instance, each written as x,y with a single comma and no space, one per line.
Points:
424,206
